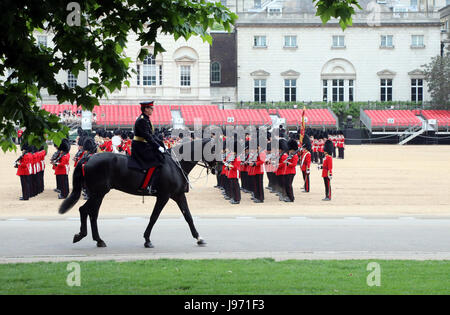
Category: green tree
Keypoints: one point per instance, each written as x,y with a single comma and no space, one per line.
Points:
437,76
94,35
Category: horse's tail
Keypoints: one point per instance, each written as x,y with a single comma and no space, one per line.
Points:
77,183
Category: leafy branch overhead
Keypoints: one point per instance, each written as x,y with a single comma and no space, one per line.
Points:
98,39
95,36
339,9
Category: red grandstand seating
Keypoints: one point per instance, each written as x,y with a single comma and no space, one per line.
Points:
393,118
442,116
313,117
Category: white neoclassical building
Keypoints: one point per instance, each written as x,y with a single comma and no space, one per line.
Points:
180,75
281,51
285,53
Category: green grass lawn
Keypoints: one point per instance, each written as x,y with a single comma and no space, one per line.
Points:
242,277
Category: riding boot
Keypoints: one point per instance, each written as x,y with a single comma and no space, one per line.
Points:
151,188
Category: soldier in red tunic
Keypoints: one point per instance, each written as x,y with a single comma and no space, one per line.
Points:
23,165
61,166
305,163
280,172
327,169
291,162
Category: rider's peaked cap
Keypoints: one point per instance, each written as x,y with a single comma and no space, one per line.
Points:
146,104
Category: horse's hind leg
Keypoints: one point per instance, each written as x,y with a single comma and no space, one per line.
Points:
159,205
83,218
93,215
183,205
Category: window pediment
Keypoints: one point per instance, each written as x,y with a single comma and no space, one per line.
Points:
185,59
290,73
259,73
386,73
416,73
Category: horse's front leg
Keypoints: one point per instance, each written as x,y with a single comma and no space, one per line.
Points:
183,205
161,201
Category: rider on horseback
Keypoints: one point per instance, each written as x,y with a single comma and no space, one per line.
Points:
146,147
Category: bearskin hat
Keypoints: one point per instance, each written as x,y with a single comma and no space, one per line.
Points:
283,144
81,140
90,145
292,144
65,145
328,147
306,143
24,146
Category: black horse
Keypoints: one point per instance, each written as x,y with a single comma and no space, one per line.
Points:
106,171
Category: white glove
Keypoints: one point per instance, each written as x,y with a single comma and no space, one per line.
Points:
161,149
330,177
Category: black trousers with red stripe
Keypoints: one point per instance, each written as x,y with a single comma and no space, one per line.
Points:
327,183
306,180
25,181
235,189
63,184
259,187
288,179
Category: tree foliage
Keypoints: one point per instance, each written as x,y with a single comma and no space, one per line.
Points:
437,75
98,40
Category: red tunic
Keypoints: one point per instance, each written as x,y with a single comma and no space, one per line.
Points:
290,166
24,165
281,165
305,161
62,168
327,167
233,171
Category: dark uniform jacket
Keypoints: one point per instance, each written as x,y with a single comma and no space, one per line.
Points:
144,148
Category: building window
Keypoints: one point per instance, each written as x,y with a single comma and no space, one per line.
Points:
71,80
223,2
350,90
185,75
417,41
215,72
257,4
138,74
338,41
260,90
160,75
338,90
413,3
325,90
387,41
386,90
290,90
149,71
42,40
290,41
259,41
416,90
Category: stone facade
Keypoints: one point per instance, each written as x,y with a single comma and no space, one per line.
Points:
292,52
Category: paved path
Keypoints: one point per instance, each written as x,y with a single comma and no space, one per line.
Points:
50,239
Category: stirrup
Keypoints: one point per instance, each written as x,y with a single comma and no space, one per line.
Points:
151,191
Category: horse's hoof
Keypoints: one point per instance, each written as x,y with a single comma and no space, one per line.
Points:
148,244
201,242
78,237
101,244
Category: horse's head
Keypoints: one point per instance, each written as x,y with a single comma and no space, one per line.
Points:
201,151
